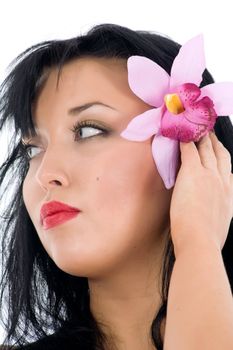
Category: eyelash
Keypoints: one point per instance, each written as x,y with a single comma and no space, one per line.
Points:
75,129
87,123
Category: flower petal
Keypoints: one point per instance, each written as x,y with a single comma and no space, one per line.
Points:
188,93
143,126
147,80
222,96
178,127
166,155
189,64
202,112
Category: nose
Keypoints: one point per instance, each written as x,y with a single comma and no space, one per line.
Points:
52,172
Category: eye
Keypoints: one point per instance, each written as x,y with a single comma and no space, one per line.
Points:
28,150
90,130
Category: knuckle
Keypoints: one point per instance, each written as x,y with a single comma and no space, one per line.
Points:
223,149
229,186
226,154
204,143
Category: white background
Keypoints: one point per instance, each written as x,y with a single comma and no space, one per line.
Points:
24,23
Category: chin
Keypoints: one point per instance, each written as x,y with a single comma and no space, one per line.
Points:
81,268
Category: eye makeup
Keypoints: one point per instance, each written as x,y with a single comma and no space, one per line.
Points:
26,149
77,127
87,123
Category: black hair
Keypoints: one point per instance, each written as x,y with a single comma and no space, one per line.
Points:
46,307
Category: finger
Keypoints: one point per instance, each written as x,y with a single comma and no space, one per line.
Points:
206,153
223,157
189,154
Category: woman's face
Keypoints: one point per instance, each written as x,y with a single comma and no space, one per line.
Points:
113,181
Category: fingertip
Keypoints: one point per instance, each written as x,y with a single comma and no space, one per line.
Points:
183,143
186,145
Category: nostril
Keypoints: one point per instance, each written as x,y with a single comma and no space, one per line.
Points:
56,182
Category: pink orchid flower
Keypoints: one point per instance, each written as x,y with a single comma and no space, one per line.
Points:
182,111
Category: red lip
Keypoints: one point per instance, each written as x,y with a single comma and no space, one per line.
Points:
54,213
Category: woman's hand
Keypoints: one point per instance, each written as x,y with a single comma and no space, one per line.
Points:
202,199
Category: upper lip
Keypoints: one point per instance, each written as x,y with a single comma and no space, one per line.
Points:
53,207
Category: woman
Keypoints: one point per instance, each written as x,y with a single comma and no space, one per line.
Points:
129,263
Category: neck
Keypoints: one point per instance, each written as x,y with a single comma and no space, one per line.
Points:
125,303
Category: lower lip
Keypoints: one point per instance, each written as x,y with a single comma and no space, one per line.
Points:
58,218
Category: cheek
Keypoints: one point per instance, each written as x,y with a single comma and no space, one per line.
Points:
27,194
31,196
128,193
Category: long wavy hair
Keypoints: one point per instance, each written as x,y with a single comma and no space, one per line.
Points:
43,307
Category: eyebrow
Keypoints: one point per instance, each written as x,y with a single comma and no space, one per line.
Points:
78,109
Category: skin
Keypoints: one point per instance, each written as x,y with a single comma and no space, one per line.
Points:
206,179
117,240
200,222
123,275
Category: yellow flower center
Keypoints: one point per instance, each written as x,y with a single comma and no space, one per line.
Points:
173,103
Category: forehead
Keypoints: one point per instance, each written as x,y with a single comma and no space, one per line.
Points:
89,75
104,65
87,79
